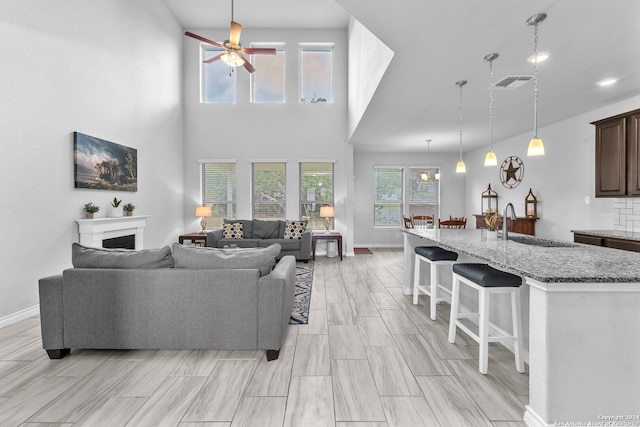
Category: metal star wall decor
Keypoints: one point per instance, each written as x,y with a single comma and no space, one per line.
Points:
511,171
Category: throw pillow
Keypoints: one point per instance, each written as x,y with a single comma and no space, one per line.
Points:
89,257
232,231
213,258
294,229
247,226
265,229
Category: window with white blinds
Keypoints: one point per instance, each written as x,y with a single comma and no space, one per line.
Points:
219,191
268,188
388,204
268,86
424,192
316,191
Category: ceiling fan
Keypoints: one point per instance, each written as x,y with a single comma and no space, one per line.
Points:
233,50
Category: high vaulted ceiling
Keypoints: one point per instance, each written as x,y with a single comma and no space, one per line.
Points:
438,42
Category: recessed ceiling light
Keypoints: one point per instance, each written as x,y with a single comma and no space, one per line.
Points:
607,82
541,57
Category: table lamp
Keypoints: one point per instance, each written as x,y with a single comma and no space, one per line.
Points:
327,212
203,212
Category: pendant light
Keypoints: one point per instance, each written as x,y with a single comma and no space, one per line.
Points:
490,159
460,167
425,175
536,147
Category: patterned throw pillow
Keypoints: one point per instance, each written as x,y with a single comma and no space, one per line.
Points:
294,229
232,231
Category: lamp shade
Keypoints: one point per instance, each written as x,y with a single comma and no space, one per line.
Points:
202,211
327,212
461,167
536,147
490,159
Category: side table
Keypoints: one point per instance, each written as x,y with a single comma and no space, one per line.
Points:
332,235
193,237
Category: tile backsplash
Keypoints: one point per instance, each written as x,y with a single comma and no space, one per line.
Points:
626,214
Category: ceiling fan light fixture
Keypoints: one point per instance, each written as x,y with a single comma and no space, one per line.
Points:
232,59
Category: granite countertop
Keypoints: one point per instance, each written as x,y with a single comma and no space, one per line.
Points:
626,235
573,262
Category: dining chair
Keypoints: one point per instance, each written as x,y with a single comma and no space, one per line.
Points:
422,221
452,223
408,223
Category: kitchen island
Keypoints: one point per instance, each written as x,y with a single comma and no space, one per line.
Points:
583,317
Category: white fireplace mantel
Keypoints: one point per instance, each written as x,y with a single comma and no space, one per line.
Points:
94,231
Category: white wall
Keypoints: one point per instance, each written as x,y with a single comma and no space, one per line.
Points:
108,69
451,192
560,180
249,132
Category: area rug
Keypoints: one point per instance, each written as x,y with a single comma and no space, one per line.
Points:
302,299
362,251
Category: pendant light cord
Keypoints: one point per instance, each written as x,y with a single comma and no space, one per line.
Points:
491,105
461,84
535,81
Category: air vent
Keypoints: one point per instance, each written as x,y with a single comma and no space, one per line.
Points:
512,82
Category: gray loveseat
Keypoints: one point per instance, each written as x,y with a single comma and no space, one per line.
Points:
258,233
156,299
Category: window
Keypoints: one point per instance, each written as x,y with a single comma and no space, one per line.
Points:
218,79
267,83
424,191
316,73
388,204
316,191
268,187
219,191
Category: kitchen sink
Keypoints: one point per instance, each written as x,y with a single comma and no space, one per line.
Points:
534,241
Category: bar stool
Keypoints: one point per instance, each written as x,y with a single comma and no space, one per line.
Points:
435,256
487,281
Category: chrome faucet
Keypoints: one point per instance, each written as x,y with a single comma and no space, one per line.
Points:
505,231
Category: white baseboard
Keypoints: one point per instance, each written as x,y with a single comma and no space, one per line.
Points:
534,420
20,315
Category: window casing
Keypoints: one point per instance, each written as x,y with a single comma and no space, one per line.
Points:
424,192
218,79
316,73
316,191
389,195
268,190
218,190
268,82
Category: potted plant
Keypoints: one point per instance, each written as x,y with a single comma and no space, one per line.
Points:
128,208
115,210
493,222
90,209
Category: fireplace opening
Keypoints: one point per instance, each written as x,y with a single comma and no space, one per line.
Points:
122,242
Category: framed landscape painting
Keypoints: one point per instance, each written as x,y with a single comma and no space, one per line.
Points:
104,165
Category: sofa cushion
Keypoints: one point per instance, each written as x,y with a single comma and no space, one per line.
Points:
285,244
265,229
232,230
213,258
247,226
294,229
240,243
89,257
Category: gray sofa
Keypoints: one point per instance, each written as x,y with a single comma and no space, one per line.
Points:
165,300
258,233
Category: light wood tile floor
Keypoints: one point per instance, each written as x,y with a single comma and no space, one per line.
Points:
368,358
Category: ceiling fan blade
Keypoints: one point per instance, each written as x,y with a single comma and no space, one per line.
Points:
250,68
213,58
234,33
202,39
259,51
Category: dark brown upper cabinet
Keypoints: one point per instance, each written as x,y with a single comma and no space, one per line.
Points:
618,155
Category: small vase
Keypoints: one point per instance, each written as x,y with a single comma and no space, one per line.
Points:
115,212
129,213
89,215
492,235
